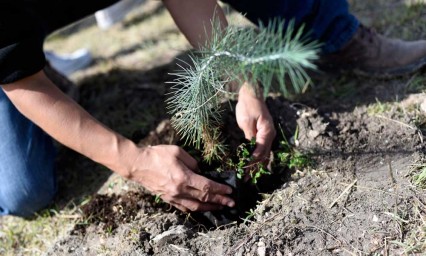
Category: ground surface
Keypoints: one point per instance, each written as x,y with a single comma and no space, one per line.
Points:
358,198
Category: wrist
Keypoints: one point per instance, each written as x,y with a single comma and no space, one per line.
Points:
250,91
124,154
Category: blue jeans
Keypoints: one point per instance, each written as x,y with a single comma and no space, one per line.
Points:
27,154
327,21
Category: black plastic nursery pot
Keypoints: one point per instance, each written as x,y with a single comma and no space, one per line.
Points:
246,196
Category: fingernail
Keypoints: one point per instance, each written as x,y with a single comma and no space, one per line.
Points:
231,204
256,155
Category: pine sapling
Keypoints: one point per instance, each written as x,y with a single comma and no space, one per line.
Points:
258,56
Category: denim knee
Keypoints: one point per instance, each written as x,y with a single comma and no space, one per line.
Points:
27,154
25,198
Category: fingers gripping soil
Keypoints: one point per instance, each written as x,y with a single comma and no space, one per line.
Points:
172,176
209,192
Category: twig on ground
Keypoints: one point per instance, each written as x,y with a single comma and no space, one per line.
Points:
180,249
398,122
386,246
70,216
341,194
419,132
396,217
351,253
391,172
209,237
375,189
226,225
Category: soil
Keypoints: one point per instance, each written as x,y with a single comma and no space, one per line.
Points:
364,137
346,204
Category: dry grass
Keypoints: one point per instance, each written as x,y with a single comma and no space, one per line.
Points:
32,237
415,227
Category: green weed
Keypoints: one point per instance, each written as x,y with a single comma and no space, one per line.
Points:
419,178
379,108
246,164
250,215
158,199
289,157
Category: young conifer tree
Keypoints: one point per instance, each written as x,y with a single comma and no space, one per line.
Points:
259,56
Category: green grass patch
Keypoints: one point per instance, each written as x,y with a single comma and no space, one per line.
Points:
416,85
379,107
289,157
419,177
414,243
20,236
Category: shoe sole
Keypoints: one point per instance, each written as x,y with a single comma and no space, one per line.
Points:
392,73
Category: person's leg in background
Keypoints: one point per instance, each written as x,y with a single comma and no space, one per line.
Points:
27,155
328,21
67,64
346,45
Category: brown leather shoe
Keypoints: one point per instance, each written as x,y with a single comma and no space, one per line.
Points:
371,54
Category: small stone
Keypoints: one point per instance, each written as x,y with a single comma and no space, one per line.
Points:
313,134
261,249
170,235
423,106
375,218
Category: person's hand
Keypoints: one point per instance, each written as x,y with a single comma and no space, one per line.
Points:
167,171
254,119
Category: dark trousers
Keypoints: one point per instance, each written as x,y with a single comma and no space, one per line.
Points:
327,21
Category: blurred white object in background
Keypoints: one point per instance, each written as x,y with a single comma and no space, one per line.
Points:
67,64
115,13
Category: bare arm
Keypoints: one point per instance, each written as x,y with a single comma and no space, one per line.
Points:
43,103
194,18
164,170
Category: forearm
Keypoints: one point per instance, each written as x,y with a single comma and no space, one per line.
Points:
194,18
42,102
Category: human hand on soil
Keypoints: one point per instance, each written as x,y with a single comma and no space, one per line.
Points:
167,171
254,119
